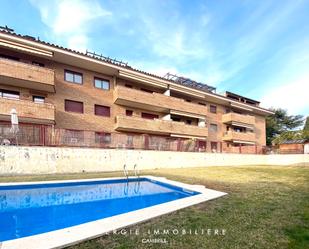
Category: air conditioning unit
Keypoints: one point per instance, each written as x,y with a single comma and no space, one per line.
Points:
74,140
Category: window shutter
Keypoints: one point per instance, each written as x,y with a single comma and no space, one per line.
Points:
149,115
73,106
101,110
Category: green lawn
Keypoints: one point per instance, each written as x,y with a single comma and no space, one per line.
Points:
266,207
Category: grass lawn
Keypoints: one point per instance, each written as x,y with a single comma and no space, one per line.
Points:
266,207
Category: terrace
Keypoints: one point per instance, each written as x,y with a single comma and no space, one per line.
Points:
158,126
156,101
25,75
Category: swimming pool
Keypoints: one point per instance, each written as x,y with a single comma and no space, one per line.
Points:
34,209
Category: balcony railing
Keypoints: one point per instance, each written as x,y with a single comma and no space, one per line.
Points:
158,126
156,101
27,111
25,75
239,136
238,119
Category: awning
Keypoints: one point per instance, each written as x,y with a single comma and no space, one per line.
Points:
243,142
184,136
186,114
251,127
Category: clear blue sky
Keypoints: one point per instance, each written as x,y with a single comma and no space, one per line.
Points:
259,49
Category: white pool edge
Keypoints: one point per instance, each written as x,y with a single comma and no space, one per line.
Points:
75,234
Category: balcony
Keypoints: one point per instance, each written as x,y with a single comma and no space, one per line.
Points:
25,75
157,102
158,126
239,136
238,120
27,111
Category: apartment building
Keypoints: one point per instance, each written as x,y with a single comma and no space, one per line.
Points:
56,87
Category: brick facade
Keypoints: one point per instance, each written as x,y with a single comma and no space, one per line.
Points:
124,94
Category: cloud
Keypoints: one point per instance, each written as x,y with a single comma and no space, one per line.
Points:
159,69
250,39
207,49
78,41
245,47
292,96
71,20
168,35
176,45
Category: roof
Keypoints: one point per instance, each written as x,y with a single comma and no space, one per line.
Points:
105,59
190,83
295,141
231,95
114,62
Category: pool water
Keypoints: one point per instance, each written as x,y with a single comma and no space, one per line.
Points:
27,210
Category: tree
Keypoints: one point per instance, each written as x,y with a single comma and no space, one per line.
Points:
280,122
306,127
288,135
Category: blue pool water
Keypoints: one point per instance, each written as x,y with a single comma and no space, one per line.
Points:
27,210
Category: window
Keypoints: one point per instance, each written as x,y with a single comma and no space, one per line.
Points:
103,138
239,129
39,64
201,103
129,141
201,145
101,110
213,128
9,57
213,109
213,146
73,137
73,106
38,99
129,113
101,83
149,115
9,94
188,121
146,90
175,119
73,77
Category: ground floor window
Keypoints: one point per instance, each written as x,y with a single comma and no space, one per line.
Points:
201,145
213,146
73,137
103,138
130,141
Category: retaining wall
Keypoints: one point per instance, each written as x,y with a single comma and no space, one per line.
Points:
49,160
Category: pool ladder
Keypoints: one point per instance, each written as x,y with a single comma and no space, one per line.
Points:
126,172
136,171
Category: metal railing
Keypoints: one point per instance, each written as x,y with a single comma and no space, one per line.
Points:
40,135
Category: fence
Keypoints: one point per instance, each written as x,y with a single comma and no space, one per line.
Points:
40,135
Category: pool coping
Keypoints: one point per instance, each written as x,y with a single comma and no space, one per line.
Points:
76,234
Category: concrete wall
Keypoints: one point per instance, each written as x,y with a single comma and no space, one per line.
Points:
48,160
